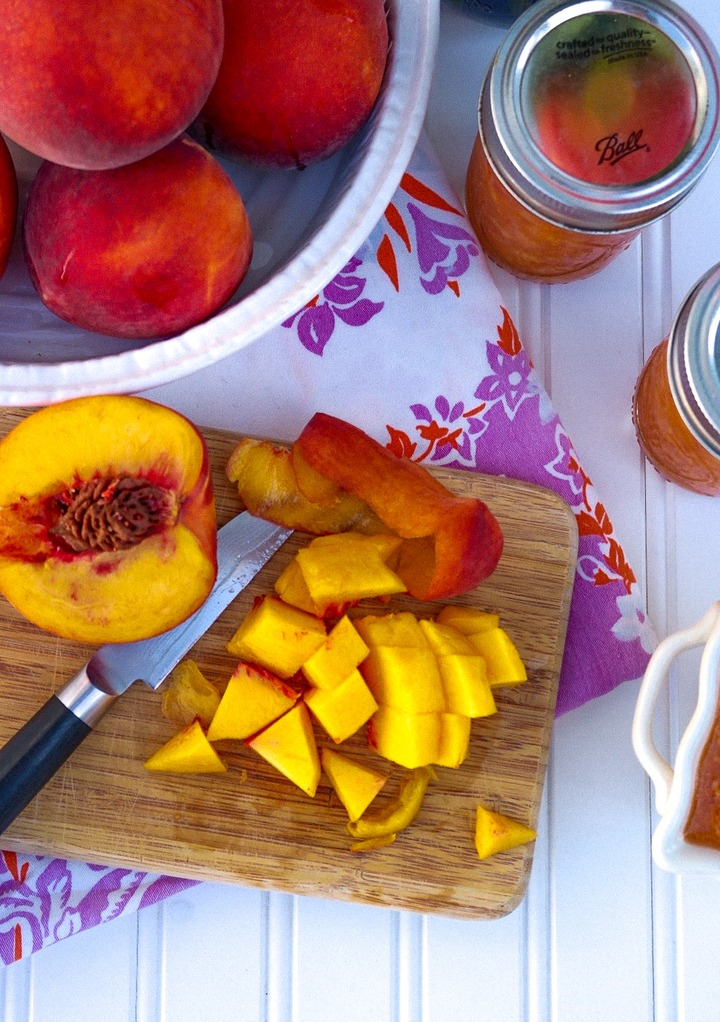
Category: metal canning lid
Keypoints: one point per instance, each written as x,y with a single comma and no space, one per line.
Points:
601,115
694,360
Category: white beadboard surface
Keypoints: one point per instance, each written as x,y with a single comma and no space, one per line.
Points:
603,935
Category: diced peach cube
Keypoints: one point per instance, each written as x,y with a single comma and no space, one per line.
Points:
495,832
292,588
277,636
401,629
444,639
467,619
465,684
253,699
454,739
338,656
504,663
410,739
339,570
343,709
355,784
188,694
289,745
405,678
187,752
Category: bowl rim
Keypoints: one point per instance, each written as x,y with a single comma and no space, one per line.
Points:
399,116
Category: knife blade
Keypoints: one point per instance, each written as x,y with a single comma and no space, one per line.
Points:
30,758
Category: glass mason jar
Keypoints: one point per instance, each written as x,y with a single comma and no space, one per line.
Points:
497,12
676,405
596,117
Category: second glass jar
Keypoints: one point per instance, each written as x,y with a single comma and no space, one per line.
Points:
676,405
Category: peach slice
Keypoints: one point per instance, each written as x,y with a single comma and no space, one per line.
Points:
355,784
444,639
187,752
107,519
452,543
465,684
380,826
495,832
336,571
467,620
253,699
405,678
189,695
274,483
454,740
409,739
504,663
400,629
289,745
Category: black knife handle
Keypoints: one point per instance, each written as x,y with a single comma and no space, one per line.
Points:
37,751
31,757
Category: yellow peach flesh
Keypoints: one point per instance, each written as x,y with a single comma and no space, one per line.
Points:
114,595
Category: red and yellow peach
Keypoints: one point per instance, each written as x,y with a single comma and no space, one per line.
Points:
140,251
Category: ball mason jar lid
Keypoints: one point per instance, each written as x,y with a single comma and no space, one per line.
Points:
693,360
601,115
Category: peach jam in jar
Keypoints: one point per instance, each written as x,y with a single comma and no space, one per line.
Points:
676,405
596,117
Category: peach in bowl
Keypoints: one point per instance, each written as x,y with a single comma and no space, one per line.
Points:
306,225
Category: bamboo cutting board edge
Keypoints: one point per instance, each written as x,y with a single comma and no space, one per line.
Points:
251,827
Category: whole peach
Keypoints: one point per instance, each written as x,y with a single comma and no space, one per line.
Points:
140,251
8,203
296,80
98,85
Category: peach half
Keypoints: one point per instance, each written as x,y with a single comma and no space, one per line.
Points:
99,85
107,519
296,80
141,251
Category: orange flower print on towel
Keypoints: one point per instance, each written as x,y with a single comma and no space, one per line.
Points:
421,240
443,246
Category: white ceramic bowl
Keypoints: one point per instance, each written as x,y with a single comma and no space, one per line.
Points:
675,785
306,225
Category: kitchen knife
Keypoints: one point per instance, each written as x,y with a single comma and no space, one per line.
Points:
31,757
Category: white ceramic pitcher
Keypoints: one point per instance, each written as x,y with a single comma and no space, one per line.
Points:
675,785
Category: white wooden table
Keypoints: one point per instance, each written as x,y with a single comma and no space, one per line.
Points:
602,934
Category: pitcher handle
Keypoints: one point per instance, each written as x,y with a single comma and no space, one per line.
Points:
657,768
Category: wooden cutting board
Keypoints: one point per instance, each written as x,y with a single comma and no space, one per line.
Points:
251,826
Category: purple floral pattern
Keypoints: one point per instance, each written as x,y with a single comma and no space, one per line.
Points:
510,380
43,900
484,437
444,250
342,299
